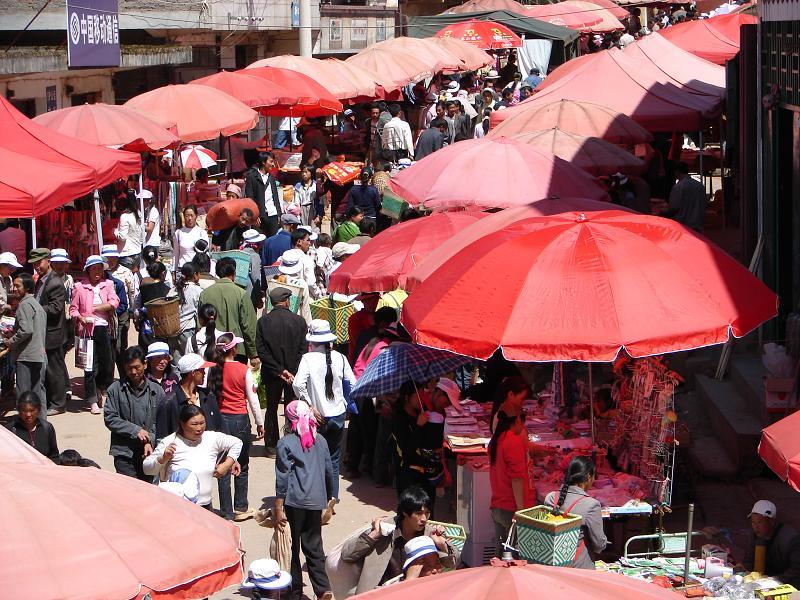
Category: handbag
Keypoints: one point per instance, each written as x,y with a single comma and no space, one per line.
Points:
84,352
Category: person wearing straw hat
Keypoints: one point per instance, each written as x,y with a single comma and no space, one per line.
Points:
93,302
319,382
52,296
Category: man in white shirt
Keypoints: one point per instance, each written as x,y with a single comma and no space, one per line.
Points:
396,137
152,219
263,188
287,130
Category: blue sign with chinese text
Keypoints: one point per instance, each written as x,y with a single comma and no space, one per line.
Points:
93,33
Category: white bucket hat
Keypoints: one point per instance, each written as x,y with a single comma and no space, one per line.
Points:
291,262
252,236
8,258
157,349
107,250
94,259
417,547
59,255
266,574
320,331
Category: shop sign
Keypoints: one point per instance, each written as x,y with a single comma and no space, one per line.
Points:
93,33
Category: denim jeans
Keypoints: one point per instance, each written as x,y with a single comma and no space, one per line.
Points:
333,434
237,426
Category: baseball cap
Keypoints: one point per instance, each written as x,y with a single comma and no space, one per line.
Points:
192,362
764,508
341,249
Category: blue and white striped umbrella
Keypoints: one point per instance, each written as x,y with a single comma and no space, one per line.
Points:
400,362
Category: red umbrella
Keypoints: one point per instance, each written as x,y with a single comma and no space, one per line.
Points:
253,91
614,8
471,6
86,533
584,287
475,231
394,69
325,72
576,14
44,169
490,173
514,581
582,118
591,154
198,111
396,251
486,35
473,58
312,99
438,57
109,125
780,449
715,39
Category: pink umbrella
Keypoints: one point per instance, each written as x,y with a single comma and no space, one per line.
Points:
393,68
439,58
83,533
576,14
474,58
490,173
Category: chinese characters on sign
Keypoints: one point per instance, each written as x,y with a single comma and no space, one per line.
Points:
93,33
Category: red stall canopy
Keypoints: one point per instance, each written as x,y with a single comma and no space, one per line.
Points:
715,39
46,169
630,85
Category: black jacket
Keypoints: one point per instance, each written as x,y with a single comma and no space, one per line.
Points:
44,438
254,188
280,341
429,142
167,413
52,296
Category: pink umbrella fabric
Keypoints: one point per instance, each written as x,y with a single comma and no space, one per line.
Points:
83,533
195,156
474,58
490,173
780,449
394,69
576,14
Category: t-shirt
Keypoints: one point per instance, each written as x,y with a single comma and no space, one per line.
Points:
185,239
511,462
154,216
98,320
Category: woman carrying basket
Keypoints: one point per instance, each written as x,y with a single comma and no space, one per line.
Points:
573,499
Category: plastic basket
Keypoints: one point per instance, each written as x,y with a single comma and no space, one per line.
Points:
242,264
295,300
336,313
164,315
453,533
392,204
545,542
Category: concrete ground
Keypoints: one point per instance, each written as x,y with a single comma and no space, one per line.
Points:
360,500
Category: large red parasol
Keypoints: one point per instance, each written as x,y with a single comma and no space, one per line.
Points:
582,118
429,52
472,57
471,6
495,221
394,69
109,125
780,449
715,39
591,154
255,92
85,533
490,173
486,35
576,14
312,99
584,287
514,581
396,251
198,111
43,169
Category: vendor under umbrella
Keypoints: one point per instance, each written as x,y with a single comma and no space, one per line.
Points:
774,548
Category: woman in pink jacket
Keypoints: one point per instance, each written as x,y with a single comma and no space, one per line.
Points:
93,306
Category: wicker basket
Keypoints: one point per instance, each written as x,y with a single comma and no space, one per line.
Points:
453,533
164,315
336,313
242,264
545,542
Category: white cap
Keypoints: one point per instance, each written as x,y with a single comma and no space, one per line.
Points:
8,258
341,249
144,194
192,362
417,547
764,508
312,234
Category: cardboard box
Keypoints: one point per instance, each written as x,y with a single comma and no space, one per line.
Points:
778,394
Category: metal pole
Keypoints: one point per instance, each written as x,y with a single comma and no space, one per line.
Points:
33,233
702,174
689,528
305,28
591,401
98,221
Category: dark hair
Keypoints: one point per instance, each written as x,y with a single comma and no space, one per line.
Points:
409,213
201,172
217,356
130,203
68,458
191,207
412,499
28,284
354,211
535,71
226,267
262,158
246,211
437,123
188,270
682,167
202,262
28,398
367,227
207,313
149,255
323,239
187,412
157,270
604,395
514,385
328,371
385,315
579,470
441,104
133,353
394,109
504,423
297,235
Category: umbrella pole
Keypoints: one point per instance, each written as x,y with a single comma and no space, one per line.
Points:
686,562
141,210
98,221
33,232
702,174
591,402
